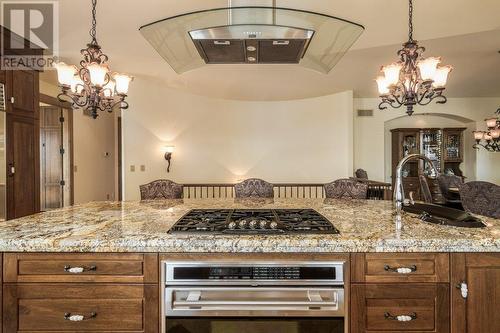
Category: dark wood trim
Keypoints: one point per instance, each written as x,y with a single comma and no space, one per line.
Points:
120,158
457,302
71,156
54,101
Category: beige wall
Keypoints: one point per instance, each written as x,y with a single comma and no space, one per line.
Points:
371,150
227,141
94,179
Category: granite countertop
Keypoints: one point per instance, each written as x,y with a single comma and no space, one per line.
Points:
364,225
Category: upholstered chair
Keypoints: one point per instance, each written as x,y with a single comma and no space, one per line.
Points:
481,198
254,188
447,181
161,189
346,189
361,174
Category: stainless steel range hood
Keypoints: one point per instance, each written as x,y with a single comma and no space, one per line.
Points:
252,44
252,35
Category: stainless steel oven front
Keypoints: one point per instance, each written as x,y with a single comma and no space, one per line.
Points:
241,297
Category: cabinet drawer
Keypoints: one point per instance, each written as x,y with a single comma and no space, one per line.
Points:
73,267
399,308
80,307
400,267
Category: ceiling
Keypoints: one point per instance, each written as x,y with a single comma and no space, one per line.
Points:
465,33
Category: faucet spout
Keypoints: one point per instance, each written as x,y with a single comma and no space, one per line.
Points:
399,194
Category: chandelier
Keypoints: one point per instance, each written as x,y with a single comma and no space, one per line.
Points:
491,137
413,79
92,87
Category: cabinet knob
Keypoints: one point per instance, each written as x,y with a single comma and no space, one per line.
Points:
401,270
77,269
408,317
79,317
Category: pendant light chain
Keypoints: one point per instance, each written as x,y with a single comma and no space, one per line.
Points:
410,23
93,30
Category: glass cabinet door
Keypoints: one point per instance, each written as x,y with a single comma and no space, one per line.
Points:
431,141
452,146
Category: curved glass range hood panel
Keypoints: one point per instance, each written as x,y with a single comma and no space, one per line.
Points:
320,40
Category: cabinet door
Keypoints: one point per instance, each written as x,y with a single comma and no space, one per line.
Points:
453,145
23,88
397,308
475,309
23,188
80,308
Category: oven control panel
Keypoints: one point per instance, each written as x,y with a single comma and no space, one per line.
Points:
211,273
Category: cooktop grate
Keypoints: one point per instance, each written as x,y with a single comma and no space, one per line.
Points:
254,221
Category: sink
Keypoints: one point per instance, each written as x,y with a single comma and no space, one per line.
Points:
444,215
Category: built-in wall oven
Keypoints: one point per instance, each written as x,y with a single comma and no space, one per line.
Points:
253,297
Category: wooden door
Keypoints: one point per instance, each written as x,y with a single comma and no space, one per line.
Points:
51,162
475,296
22,166
24,92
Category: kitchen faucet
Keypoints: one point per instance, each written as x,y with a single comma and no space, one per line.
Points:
399,194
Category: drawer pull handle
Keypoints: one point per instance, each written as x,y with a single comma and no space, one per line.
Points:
72,317
401,270
409,317
77,270
464,289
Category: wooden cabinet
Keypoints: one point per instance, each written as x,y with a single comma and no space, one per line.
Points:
69,292
23,89
443,146
22,158
475,293
22,143
400,308
399,292
79,307
80,268
399,267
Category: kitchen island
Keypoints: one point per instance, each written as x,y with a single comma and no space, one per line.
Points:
100,266
364,225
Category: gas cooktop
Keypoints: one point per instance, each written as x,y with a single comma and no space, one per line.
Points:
254,221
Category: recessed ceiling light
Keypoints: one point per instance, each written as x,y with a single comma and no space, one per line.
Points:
251,48
252,59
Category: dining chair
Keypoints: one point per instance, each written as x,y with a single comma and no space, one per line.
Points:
346,189
254,188
481,198
161,189
362,174
447,181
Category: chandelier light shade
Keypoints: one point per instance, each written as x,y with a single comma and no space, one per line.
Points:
92,86
413,79
490,139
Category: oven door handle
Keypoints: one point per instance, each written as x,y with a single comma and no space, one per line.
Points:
256,303
312,299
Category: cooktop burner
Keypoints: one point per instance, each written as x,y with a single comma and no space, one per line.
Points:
254,221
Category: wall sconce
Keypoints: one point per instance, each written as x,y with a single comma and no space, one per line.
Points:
168,155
